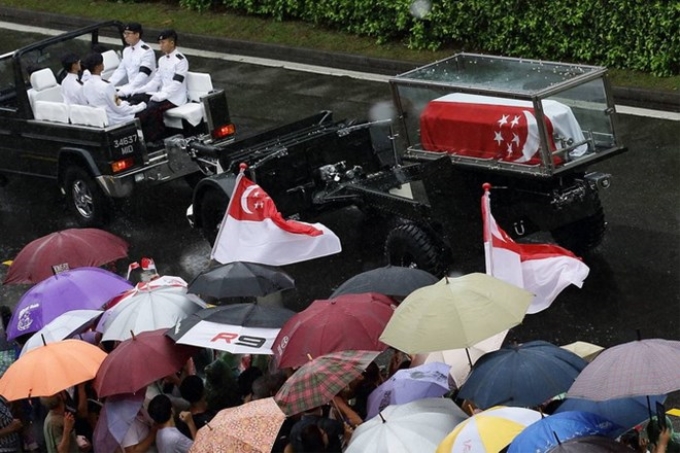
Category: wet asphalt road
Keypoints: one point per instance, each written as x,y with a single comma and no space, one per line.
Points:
634,281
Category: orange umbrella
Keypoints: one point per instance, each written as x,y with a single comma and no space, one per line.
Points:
249,428
49,369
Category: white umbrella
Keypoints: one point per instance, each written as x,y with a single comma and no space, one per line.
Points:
416,426
149,308
461,360
61,327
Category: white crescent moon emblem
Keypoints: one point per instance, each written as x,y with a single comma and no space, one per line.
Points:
532,141
244,198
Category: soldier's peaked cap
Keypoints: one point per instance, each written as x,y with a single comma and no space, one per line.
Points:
168,34
134,27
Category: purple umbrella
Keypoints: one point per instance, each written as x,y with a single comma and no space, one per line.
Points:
115,420
84,288
430,380
103,440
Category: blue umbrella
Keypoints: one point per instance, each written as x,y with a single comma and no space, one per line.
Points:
523,375
549,432
625,412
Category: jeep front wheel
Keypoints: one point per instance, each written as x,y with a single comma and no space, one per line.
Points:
84,197
408,245
213,208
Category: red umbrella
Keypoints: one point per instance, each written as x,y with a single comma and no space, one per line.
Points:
72,248
139,361
348,322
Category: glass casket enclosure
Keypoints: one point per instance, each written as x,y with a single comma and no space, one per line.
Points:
506,114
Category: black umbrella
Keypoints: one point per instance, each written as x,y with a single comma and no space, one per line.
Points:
240,279
388,280
237,328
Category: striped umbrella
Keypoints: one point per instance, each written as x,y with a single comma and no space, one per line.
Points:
488,431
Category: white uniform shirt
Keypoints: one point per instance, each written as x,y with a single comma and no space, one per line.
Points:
72,90
100,93
170,79
138,63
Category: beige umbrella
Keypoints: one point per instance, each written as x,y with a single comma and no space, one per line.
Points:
587,351
455,313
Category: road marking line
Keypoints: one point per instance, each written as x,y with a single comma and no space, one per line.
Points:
626,110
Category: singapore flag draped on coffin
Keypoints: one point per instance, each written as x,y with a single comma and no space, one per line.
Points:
543,269
253,230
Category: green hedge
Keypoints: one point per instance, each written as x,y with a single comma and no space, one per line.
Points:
639,35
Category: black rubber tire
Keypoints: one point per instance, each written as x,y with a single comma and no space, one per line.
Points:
408,245
584,235
213,208
192,179
85,199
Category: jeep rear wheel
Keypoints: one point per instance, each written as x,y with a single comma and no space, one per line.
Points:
84,198
584,235
213,208
409,245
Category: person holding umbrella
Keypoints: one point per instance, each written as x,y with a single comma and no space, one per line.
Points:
192,389
333,432
60,436
168,438
10,427
663,439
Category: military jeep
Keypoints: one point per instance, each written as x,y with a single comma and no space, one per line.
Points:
530,128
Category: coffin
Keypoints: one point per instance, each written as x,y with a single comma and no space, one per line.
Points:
495,128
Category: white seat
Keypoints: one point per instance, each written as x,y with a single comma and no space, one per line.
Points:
198,85
51,111
111,62
44,87
86,115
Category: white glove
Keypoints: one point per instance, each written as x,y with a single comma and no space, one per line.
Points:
124,91
156,97
141,106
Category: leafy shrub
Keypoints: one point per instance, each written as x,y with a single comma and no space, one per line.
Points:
639,35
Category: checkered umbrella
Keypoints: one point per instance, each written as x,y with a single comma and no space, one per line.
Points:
318,381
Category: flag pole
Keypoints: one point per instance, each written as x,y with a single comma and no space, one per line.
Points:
242,168
488,236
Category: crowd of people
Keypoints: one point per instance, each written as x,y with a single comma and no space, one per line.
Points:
177,406
140,87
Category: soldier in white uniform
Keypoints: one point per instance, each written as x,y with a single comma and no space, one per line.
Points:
72,86
167,87
100,93
138,62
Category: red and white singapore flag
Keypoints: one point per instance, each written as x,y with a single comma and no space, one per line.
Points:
543,269
253,230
